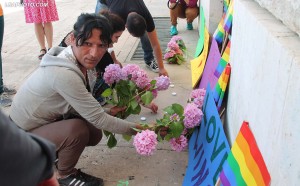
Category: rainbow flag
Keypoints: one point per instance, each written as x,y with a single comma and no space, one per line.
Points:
223,61
245,164
225,5
228,17
220,32
221,86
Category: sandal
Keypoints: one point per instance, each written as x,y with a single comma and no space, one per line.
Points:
43,52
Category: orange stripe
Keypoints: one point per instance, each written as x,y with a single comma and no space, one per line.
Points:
1,10
245,130
250,162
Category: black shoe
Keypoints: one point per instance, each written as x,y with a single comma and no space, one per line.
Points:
5,101
153,66
8,90
80,179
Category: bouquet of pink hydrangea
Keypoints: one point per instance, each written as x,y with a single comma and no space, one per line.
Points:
130,86
175,51
179,122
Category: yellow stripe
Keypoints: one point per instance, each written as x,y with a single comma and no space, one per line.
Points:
246,174
250,162
1,10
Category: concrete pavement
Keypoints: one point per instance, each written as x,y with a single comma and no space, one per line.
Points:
122,163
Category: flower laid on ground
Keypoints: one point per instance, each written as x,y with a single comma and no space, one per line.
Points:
175,51
179,122
130,86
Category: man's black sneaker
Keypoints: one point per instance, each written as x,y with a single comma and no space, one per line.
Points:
80,179
153,66
8,90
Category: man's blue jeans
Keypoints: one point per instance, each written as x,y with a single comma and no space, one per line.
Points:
146,45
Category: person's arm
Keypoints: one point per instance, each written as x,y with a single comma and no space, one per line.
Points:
25,159
113,56
157,52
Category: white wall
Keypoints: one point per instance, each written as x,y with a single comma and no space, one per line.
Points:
265,88
288,11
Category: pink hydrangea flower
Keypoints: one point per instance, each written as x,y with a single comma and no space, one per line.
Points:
129,69
162,82
197,96
179,144
175,117
154,93
192,116
172,45
169,54
112,74
197,93
141,79
145,142
176,38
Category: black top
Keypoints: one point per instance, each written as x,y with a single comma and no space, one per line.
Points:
25,159
124,7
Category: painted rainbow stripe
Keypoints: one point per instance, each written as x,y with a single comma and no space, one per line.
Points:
220,32
221,86
245,164
225,4
223,61
228,17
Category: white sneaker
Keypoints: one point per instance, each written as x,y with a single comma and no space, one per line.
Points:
153,66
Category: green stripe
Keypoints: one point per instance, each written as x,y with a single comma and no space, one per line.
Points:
236,170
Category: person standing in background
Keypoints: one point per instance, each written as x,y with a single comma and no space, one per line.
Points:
4,100
42,14
183,9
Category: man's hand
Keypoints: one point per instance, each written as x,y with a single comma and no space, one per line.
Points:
152,106
163,71
115,110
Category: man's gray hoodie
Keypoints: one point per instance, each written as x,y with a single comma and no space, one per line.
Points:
58,88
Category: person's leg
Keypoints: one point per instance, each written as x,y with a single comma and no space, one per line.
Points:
70,137
40,35
191,14
173,16
147,48
4,100
48,28
148,53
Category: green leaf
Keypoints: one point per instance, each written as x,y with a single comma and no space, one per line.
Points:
133,104
168,137
137,110
107,92
147,97
126,137
112,141
169,110
131,86
106,133
176,129
178,109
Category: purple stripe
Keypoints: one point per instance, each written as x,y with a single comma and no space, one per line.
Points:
229,174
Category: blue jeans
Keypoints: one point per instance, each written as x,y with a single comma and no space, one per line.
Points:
147,48
146,45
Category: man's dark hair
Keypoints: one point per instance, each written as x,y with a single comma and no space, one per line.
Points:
86,23
136,24
116,21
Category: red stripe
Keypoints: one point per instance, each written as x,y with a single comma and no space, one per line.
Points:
245,130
